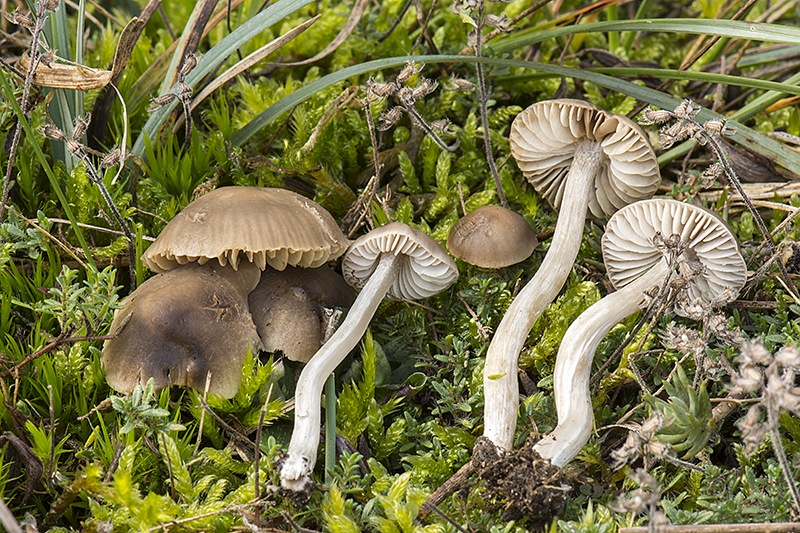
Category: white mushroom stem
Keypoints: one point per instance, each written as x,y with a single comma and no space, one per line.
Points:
500,386
303,446
574,364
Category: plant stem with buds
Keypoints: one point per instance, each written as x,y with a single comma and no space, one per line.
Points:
482,99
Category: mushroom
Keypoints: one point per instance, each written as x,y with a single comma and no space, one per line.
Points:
579,157
395,258
180,325
287,308
638,240
491,237
270,226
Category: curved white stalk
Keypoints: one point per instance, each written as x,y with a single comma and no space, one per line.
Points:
303,446
574,364
500,385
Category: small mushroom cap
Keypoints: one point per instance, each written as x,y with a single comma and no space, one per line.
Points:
287,308
628,248
544,138
426,271
180,325
492,237
269,226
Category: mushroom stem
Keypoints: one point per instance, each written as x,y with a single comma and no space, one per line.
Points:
500,386
574,363
302,454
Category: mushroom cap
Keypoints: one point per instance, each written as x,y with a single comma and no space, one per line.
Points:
544,138
180,325
427,269
270,226
492,237
628,249
287,308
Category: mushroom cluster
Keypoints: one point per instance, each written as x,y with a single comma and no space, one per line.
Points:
579,157
244,267
193,318
644,244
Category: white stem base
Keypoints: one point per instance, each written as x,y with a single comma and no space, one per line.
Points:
302,454
574,364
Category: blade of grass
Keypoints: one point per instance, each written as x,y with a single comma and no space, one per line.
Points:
217,55
250,60
722,28
678,75
54,182
752,109
767,56
746,136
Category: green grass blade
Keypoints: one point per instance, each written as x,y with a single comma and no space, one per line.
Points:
722,28
674,74
767,56
217,55
743,135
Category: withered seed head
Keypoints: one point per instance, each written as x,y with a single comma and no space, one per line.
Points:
158,102
442,126
410,70
424,88
189,63
81,125
655,116
380,90
20,19
52,132
388,118
49,5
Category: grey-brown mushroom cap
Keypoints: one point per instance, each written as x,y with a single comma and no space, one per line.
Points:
268,226
427,268
629,249
492,236
287,308
180,325
544,138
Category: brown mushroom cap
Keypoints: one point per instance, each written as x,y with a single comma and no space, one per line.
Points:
269,226
545,136
180,325
287,308
492,237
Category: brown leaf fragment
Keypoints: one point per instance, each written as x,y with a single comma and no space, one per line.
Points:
58,74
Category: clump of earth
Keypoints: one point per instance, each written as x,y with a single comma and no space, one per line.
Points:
523,484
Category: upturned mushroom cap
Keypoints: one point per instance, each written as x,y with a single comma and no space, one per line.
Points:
628,249
287,308
426,270
180,325
269,226
545,136
492,237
